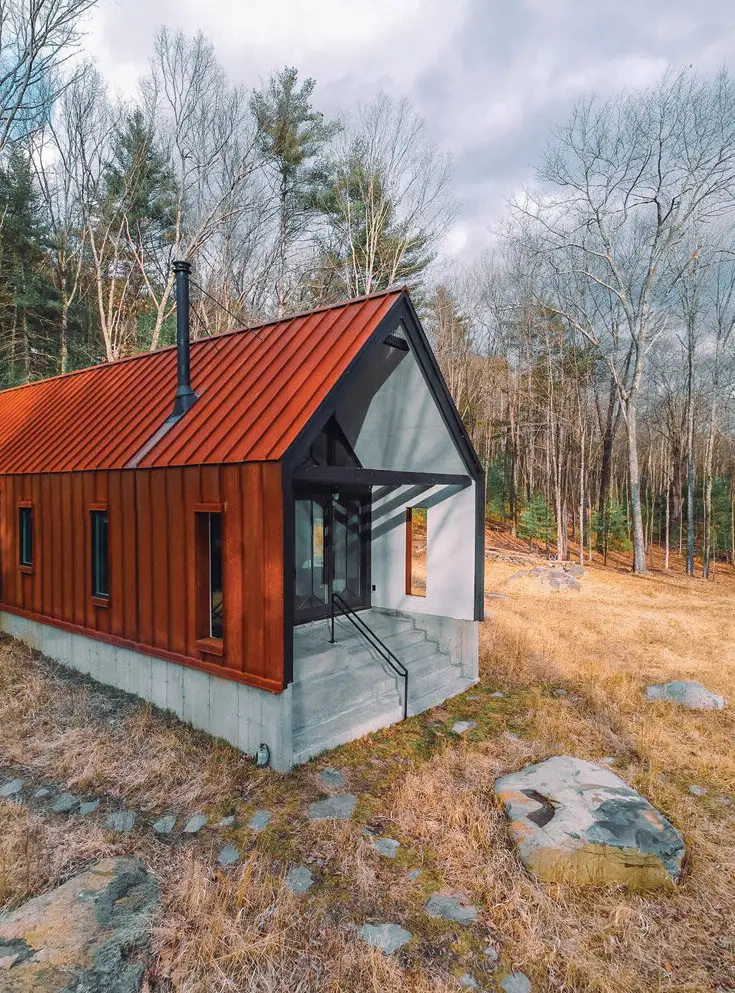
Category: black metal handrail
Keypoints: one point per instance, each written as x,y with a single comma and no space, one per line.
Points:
381,648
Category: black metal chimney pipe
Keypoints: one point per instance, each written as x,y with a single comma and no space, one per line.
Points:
185,395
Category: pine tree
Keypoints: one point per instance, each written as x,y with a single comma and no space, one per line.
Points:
366,247
291,135
611,528
28,301
537,522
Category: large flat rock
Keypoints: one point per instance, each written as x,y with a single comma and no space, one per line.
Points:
91,933
688,694
576,822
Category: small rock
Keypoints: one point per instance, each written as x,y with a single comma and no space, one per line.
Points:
492,955
12,787
42,793
724,801
64,803
688,694
165,824
576,822
450,909
260,820
474,698
228,855
608,759
89,807
299,879
227,822
497,596
122,822
516,982
332,777
498,694
334,808
698,790
469,981
560,692
461,726
387,937
414,875
195,824
386,846
511,736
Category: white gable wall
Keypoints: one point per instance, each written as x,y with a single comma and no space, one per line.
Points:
393,422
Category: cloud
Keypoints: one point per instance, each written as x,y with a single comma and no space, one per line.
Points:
491,77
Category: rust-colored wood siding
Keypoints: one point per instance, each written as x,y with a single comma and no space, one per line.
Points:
151,555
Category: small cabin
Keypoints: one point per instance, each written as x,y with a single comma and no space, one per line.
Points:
293,556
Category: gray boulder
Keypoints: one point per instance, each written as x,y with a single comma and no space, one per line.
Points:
91,933
688,694
576,822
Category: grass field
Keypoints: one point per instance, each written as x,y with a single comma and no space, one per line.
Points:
241,929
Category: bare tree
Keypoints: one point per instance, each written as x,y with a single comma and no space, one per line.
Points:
37,40
624,182
206,136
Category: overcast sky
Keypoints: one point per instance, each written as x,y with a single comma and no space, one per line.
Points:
491,77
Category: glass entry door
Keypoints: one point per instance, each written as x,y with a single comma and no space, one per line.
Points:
332,552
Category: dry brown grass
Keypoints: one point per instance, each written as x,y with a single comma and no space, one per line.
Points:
66,728
36,854
241,929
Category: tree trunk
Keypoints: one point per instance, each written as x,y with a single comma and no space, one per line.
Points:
690,458
668,520
639,544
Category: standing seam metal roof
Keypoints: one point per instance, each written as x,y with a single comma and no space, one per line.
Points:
256,393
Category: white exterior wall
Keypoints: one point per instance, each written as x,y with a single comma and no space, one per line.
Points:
243,715
392,421
450,550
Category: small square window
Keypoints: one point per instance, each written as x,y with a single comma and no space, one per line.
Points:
100,557
25,537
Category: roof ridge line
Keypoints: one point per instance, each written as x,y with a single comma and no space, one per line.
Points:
114,363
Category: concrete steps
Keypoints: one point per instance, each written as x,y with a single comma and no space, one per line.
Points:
344,690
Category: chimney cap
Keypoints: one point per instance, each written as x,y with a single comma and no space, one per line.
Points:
181,265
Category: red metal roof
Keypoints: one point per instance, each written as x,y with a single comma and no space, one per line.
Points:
256,393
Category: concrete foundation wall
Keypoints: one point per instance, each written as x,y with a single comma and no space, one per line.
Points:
243,715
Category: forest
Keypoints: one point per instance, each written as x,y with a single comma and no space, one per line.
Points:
590,350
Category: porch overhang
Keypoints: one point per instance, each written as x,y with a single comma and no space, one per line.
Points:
352,476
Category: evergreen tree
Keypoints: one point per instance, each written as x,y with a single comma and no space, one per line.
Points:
611,527
366,247
138,180
28,302
537,522
291,134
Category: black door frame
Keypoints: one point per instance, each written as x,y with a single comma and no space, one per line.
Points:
328,496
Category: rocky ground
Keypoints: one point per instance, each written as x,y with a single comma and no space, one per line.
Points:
416,859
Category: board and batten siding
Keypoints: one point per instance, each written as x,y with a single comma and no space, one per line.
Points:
151,561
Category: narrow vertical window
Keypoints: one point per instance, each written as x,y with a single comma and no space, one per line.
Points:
100,560
209,591
25,537
416,548
215,576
